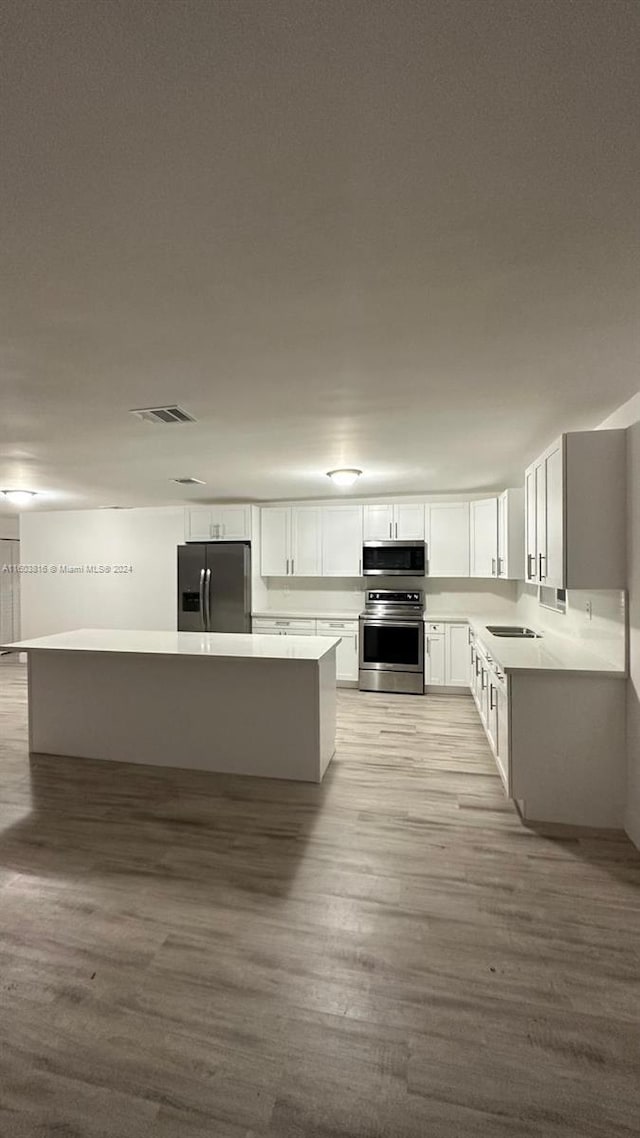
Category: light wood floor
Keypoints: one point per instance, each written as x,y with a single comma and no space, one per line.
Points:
390,955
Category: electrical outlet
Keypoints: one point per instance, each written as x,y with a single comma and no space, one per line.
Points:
590,609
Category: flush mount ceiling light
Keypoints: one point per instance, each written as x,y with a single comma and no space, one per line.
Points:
189,481
19,497
344,477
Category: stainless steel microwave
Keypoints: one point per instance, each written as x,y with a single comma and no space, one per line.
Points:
393,559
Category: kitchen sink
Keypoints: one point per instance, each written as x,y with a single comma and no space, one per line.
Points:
516,631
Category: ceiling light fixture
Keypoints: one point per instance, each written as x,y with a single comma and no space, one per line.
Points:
344,477
189,481
19,497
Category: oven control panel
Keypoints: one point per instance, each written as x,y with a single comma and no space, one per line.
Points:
394,597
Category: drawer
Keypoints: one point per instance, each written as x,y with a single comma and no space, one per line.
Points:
434,629
328,626
282,624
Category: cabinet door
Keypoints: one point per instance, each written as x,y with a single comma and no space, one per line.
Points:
457,656
447,533
541,520
531,530
347,657
502,750
553,565
341,541
434,653
484,538
305,541
408,522
378,523
231,523
503,530
492,713
198,524
274,541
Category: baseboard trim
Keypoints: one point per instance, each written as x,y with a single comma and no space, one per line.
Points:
446,689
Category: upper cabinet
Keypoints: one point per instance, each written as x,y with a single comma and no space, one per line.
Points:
511,535
575,522
341,540
403,521
484,537
218,523
290,541
447,537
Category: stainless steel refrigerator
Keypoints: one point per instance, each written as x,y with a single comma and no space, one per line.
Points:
214,587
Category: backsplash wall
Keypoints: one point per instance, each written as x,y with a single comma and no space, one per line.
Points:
604,629
315,595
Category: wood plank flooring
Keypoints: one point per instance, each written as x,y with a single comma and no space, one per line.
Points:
389,955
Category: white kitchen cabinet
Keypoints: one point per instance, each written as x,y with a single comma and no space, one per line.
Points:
447,537
222,523
402,521
484,537
378,522
575,524
305,541
447,654
347,653
341,537
290,541
511,541
283,626
408,522
457,655
275,541
434,658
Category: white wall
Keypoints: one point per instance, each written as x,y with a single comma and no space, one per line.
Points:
629,416
315,595
144,539
602,629
9,525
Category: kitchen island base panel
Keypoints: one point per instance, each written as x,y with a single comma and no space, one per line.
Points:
273,719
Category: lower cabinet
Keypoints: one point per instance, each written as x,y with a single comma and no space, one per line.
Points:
489,688
446,654
434,658
346,630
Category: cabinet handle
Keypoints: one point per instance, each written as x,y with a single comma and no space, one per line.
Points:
292,565
287,566
483,679
282,623
396,529
492,692
541,558
390,529
530,571
493,567
360,567
500,564
473,654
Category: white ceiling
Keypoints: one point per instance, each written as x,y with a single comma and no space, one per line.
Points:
396,235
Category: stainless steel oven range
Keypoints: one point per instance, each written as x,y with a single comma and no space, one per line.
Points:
392,641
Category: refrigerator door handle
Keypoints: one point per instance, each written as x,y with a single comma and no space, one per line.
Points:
204,627
207,598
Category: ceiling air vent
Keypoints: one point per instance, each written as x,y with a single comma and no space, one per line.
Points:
171,414
189,481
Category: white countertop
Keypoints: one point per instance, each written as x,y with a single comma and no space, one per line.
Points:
149,643
551,653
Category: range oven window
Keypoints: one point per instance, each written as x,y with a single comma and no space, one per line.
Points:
392,644
394,559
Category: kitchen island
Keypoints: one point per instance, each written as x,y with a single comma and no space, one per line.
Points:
232,703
